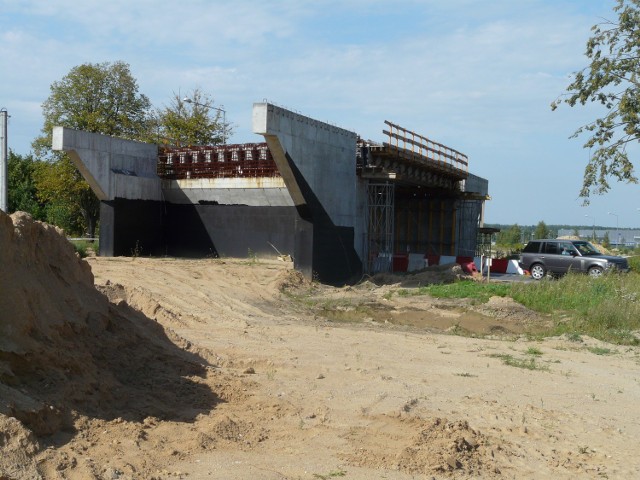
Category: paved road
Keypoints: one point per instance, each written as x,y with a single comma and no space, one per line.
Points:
510,277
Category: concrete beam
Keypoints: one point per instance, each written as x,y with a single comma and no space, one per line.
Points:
113,167
258,192
475,184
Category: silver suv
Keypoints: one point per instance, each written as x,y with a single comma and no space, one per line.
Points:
557,257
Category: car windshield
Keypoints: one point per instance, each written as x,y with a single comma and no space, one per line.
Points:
585,248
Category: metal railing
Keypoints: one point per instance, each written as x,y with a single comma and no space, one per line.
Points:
420,146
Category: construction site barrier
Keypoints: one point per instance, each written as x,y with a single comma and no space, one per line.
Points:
416,261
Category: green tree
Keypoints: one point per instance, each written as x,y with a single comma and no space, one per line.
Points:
606,243
98,98
541,231
611,79
22,191
194,122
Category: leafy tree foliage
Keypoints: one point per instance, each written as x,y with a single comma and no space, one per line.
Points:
611,79
98,98
606,243
70,202
22,191
194,122
510,236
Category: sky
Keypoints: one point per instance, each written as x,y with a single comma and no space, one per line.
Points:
477,76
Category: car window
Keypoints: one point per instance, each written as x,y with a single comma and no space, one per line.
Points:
551,247
586,248
532,247
566,248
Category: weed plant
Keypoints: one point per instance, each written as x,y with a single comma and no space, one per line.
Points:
634,261
82,247
526,363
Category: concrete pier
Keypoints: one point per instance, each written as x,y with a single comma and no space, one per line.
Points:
317,162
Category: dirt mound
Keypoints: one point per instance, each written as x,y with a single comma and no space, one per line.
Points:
66,352
448,273
510,312
292,281
42,279
426,447
17,447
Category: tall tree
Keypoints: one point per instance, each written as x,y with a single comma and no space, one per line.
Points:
192,120
612,80
542,231
510,237
98,98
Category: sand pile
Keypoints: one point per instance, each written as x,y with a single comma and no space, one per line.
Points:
66,352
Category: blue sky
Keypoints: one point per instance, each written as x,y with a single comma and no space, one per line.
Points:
478,76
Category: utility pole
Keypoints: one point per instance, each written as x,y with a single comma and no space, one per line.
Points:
617,229
4,180
218,109
593,239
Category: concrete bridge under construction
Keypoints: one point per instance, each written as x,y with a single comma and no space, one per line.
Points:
339,205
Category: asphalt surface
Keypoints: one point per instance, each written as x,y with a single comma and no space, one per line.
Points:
509,277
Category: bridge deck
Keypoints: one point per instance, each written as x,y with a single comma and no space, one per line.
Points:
412,158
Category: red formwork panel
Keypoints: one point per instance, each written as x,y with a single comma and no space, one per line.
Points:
400,262
217,161
433,259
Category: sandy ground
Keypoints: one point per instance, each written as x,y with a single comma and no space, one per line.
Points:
257,374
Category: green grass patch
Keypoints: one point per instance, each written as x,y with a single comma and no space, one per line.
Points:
607,308
634,261
601,351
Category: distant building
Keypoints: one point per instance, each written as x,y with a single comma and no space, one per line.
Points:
625,237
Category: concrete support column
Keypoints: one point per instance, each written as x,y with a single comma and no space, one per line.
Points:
317,162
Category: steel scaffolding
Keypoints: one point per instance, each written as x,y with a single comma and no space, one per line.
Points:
380,227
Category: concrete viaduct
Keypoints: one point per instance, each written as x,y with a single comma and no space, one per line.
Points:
339,205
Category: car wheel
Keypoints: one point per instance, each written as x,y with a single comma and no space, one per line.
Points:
595,272
538,271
